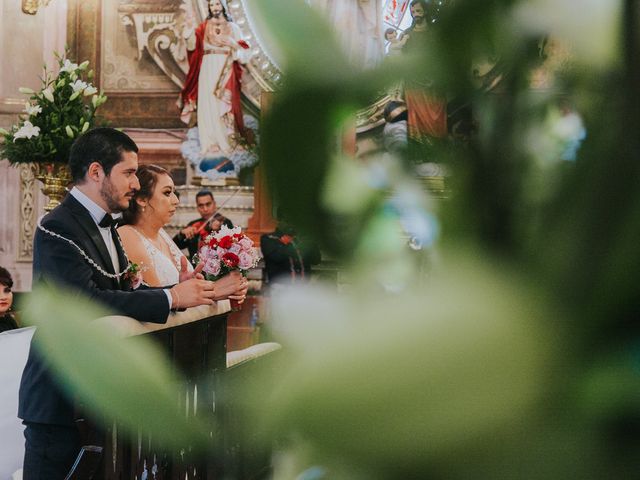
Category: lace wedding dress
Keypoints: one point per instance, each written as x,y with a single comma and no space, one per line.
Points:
167,269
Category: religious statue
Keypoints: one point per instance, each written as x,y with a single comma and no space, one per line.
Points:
427,112
216,52
395,44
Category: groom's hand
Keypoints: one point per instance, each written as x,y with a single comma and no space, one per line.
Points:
185,274
193,292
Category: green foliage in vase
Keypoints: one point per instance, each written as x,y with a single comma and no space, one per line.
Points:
63,108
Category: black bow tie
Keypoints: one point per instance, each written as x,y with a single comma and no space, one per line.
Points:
107,221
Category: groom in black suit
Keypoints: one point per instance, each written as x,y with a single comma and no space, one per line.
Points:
77,245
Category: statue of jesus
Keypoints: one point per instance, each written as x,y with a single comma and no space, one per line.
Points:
216,51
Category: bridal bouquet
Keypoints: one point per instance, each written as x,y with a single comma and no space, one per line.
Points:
225,251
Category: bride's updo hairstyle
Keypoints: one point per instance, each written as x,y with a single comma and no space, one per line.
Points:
148,178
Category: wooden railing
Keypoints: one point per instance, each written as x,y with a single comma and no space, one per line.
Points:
196,342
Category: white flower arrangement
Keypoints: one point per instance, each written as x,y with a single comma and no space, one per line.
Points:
62,109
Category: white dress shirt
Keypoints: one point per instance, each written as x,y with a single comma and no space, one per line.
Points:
98,213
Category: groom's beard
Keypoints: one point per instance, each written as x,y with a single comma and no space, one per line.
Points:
110,197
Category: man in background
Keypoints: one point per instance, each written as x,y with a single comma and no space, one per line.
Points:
287,257
189,237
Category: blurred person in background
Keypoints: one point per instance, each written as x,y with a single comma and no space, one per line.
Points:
189,237
288,258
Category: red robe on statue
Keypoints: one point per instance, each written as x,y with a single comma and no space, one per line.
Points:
189,94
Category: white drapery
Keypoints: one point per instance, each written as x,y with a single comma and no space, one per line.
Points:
358,24
14,348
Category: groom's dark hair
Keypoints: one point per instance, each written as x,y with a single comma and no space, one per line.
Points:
103,145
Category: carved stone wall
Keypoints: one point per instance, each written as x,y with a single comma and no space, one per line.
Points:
22,204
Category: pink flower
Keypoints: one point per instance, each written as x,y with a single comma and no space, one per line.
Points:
246,243
136,281
246,260
212,266
235,248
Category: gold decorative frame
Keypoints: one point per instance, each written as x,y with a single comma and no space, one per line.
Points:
30,7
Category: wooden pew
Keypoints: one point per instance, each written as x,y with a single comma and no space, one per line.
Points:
248,449
196,342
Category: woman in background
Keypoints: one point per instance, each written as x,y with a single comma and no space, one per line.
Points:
7,321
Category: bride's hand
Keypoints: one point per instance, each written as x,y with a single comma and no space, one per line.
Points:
185,274
241,294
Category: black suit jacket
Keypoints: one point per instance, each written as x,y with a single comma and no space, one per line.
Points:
58,262
283,262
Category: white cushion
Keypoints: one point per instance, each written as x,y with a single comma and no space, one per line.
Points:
14,348
249,353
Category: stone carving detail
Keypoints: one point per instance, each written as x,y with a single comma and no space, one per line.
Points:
27,213
159,36
141,46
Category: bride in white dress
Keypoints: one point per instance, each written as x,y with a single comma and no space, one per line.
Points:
144,239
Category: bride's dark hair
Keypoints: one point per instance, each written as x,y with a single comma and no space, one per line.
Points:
148,178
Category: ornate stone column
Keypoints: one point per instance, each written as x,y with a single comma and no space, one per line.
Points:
22,204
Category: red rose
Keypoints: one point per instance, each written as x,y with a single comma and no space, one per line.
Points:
230,259
238,236
243,44
225,242
213,243
286,239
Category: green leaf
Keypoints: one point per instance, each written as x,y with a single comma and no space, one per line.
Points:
397,381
